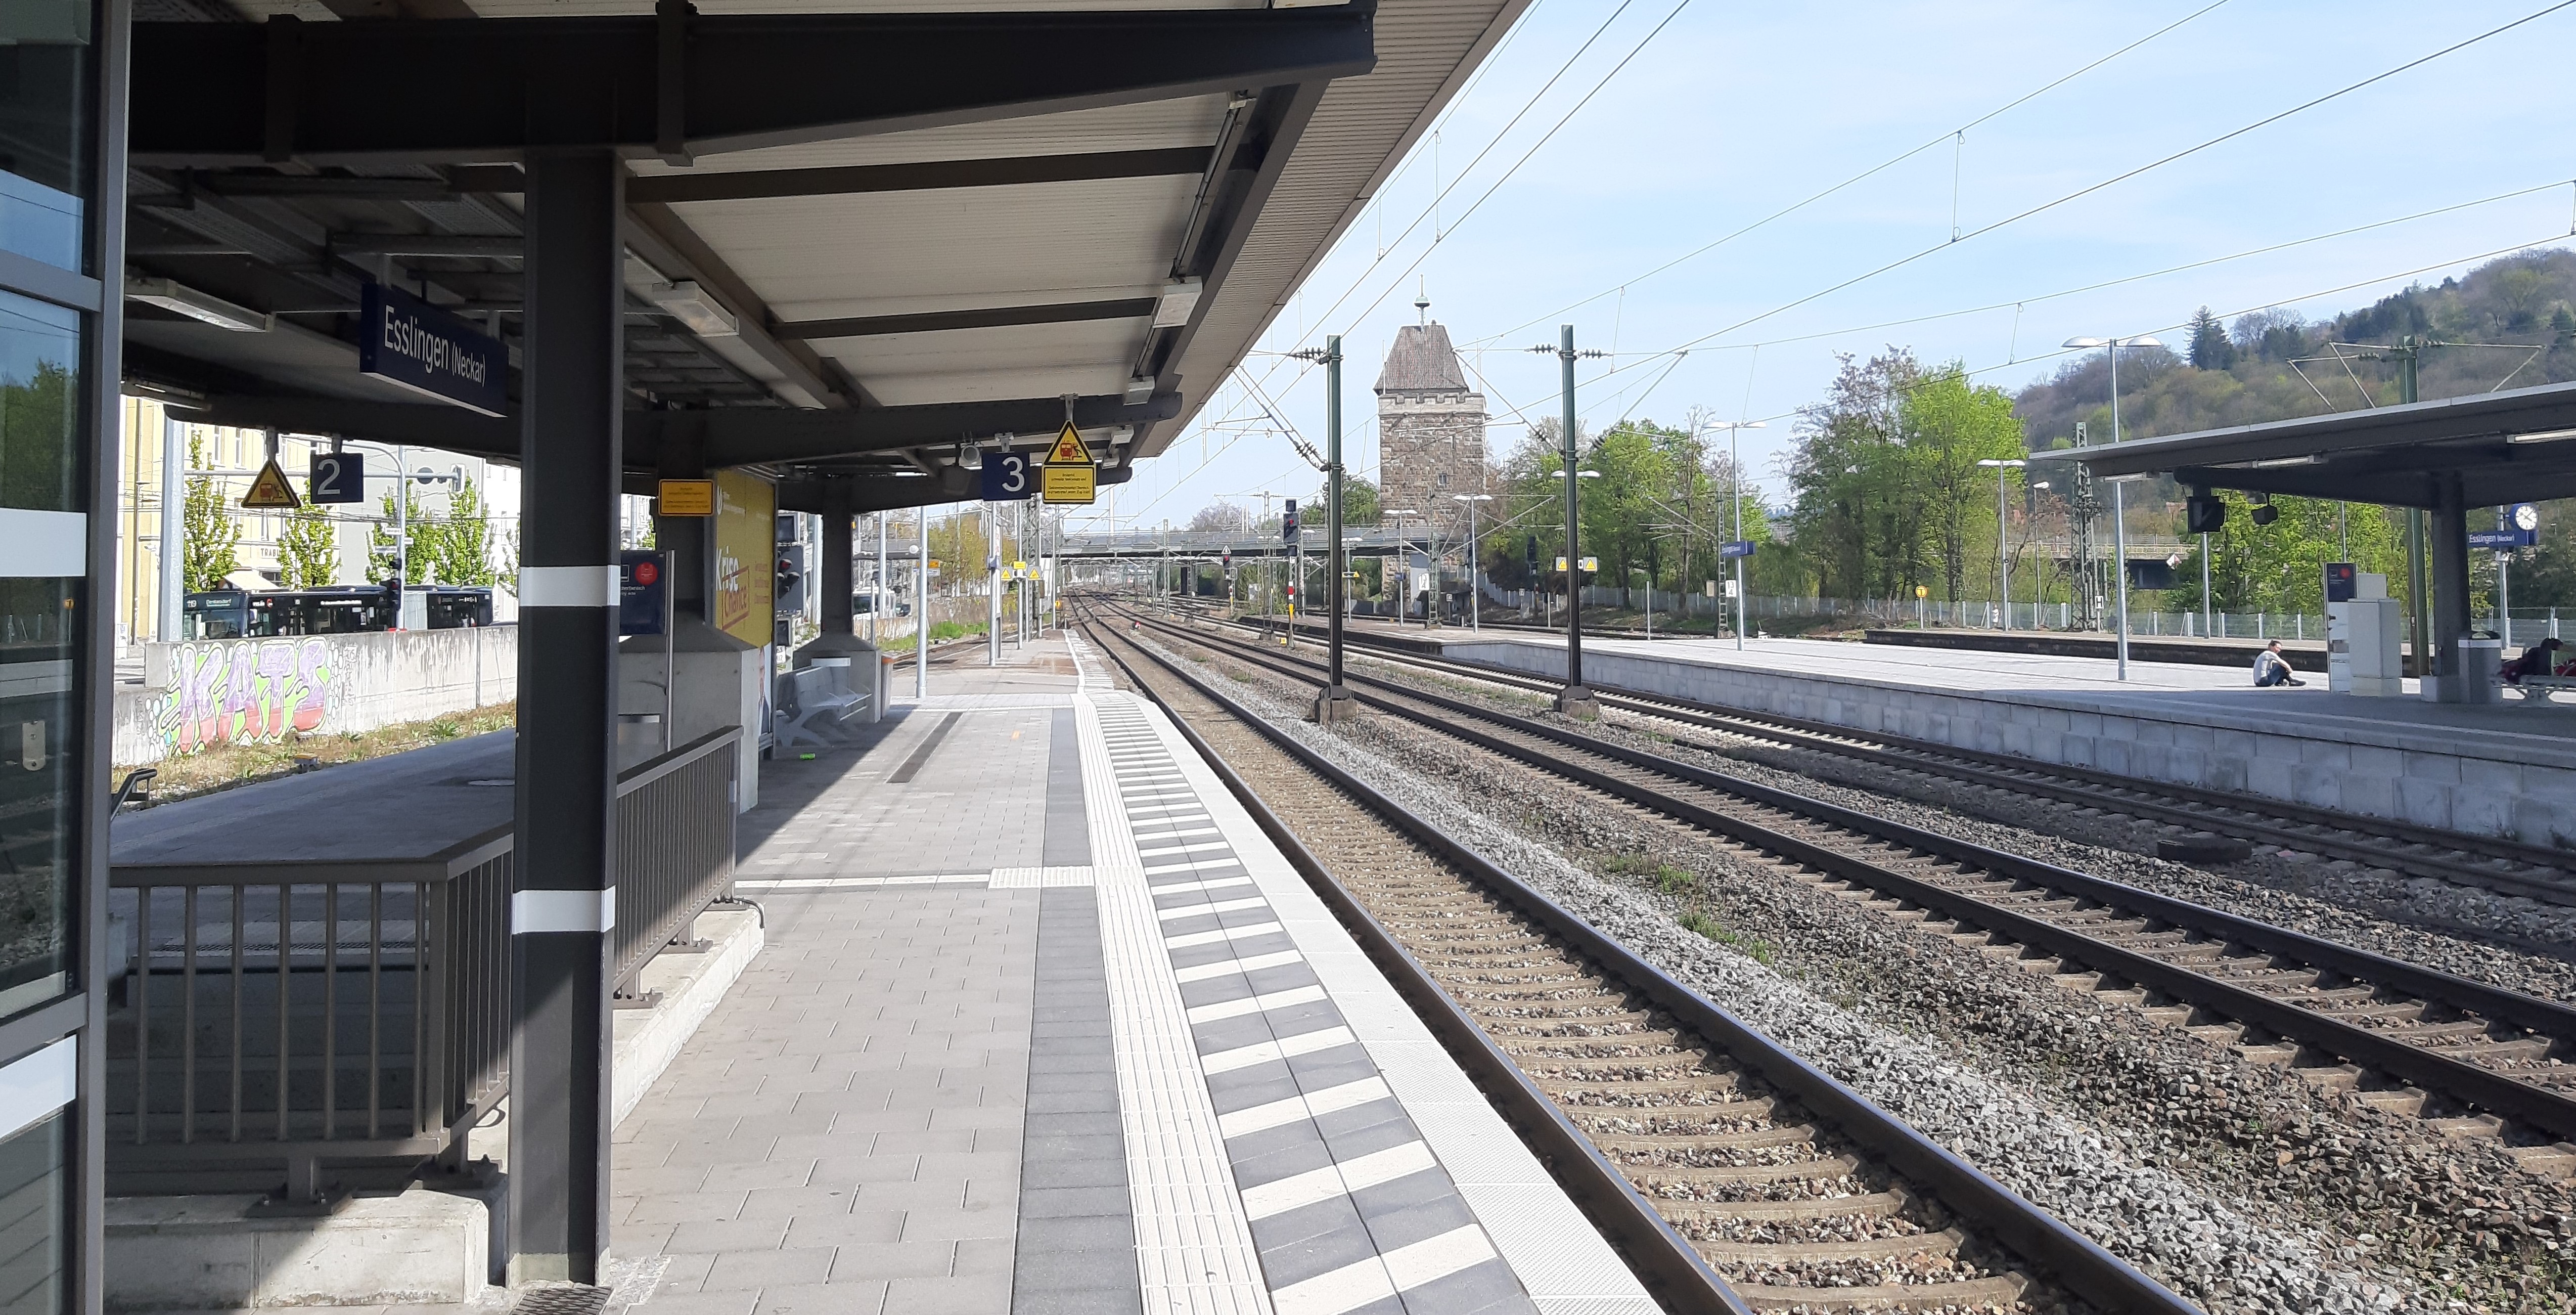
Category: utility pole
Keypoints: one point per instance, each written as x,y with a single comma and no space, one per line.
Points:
1575,700
2418,577
921,611
1335,703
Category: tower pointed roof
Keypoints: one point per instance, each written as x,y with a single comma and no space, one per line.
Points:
1422,361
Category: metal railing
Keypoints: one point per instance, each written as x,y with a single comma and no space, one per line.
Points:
304,1013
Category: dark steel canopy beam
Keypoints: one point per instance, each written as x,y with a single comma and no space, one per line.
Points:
925,176
869,493
730,436
997,317
667,243
460,90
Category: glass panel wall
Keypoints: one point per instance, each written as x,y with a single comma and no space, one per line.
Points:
48,64
55,372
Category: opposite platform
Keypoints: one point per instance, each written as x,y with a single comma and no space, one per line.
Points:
2507,771
1045,1024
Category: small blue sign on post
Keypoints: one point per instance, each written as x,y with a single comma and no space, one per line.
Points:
411,344
1007,477
2502,538
1735,548
643,593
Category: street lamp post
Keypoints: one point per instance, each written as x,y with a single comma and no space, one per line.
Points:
2119,529
1475,571
1735,482
2003,541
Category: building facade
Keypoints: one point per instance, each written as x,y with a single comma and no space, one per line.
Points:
1431,433
226,459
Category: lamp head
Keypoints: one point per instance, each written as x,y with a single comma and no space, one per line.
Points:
2086,342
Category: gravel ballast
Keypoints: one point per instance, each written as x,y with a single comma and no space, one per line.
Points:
2241,1186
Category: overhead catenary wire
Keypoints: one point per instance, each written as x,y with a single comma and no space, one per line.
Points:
2018,303
2185,153
1959,134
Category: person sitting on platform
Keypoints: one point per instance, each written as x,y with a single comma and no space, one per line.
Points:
2538,660
2271,669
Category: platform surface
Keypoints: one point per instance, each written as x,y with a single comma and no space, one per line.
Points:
2155,689
1044,1024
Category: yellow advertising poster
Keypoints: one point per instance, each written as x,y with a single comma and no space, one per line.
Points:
746,567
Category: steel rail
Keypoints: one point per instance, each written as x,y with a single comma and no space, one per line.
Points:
2041,1239
2485,1088
1970,764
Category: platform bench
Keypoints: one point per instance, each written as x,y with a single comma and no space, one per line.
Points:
818,704
2538,689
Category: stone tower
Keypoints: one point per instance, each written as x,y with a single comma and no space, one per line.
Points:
1431,430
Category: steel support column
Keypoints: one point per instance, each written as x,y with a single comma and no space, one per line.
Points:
566,898
2450,611
835,548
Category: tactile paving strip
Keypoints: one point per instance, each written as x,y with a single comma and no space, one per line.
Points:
1347,1205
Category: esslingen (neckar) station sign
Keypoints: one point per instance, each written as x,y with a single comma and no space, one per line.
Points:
408,342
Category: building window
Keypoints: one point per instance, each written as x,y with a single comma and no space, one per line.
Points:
1444,479
40,405
47,168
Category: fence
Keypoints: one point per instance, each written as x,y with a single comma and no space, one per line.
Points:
1971,614
304,1013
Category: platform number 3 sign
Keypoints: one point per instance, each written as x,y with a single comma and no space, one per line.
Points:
1006,477
336,477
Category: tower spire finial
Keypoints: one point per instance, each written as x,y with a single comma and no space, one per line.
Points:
1422,302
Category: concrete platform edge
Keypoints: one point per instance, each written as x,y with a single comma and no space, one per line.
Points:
1563,1262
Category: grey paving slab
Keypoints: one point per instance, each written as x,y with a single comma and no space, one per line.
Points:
1077,1239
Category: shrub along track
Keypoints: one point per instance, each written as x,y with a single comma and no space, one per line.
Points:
1695,1142
2478,1060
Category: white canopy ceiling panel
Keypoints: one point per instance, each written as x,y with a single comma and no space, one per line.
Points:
1154,125
974,365
820,257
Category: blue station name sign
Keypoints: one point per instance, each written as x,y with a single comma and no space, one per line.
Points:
406,341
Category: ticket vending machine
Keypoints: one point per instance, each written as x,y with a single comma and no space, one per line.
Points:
2363,625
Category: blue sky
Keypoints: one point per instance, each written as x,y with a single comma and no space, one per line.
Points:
1735,111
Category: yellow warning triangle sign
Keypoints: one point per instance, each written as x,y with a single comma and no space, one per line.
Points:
269,491
1069,449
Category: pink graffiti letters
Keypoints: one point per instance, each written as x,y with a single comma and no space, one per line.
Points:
244,692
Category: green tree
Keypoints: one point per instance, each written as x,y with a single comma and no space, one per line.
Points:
385,553
1949,425
212,542
1359,503
2280,567
2210,349
462,541
1859,517
308,548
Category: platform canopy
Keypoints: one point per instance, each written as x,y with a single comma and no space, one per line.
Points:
855,237
2517,446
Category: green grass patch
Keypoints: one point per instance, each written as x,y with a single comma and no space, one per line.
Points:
1666,878
1698,921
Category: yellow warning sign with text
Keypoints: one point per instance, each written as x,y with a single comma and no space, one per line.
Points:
1074,484
687,497
269,490
1069,449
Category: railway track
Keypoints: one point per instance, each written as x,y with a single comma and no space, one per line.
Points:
2506,867
2476,1060
1704,1150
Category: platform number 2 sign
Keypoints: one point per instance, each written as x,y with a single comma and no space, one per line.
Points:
336,477
1007,477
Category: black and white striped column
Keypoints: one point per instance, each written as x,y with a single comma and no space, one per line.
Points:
565,904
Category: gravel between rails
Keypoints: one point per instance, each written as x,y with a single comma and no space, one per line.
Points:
2240,1186
2506,941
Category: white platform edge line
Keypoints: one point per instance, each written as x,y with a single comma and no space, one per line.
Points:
1194,1247
1555,1251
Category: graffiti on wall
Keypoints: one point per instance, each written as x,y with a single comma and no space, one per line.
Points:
245,691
